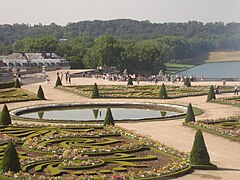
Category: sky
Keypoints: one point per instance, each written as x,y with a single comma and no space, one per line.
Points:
64,11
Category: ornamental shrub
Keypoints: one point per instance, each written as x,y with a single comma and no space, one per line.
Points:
40,114
95,113
211,94
190,117
17,83
130,81
58,82
95,92
40,93
10,160
199,154
109,118
187,82
163,92
5,118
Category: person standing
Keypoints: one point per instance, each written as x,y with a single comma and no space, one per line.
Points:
235,90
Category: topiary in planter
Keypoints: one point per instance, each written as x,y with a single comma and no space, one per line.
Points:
58,82
130,81
211,94
187,82
163,92
5,118
40,93
17,83
109,121
95,92
190,117
10,160
199,154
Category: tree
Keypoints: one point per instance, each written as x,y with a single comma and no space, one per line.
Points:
10,160
58,82
211,94
109,121
40,93
17,83
190,117
187,82
95,92
199,154
163,92
5,118
130,81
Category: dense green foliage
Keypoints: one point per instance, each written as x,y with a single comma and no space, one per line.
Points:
5,118
17,83
95,92
190,117
109,121
10,160
211,94
187,82
163,92
141,47
199,154
58,82
130,81
40,93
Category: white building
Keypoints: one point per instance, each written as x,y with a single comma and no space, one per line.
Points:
5,76
31,61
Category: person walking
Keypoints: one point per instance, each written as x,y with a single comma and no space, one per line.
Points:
235,90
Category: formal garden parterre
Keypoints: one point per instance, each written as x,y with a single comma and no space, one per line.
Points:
146,91
89,151
16,95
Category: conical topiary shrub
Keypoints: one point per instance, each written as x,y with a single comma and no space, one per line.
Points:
40,114
109,118
163,92
187,82
190,117
40,93
199,154
17,83
95,113
95,92
58,82
5,118
10,160
130,81
211,94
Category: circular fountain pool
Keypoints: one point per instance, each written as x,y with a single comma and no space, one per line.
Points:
95,112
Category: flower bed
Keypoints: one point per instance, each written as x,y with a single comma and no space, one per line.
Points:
235,100
226,127
89,151
150,91
16,95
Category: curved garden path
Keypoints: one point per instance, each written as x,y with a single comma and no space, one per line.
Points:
223,152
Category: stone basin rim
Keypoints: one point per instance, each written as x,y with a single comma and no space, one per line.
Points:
23,110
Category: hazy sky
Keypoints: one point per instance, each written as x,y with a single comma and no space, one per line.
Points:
64,11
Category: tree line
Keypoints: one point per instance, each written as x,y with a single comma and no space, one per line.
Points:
128,44
138,56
